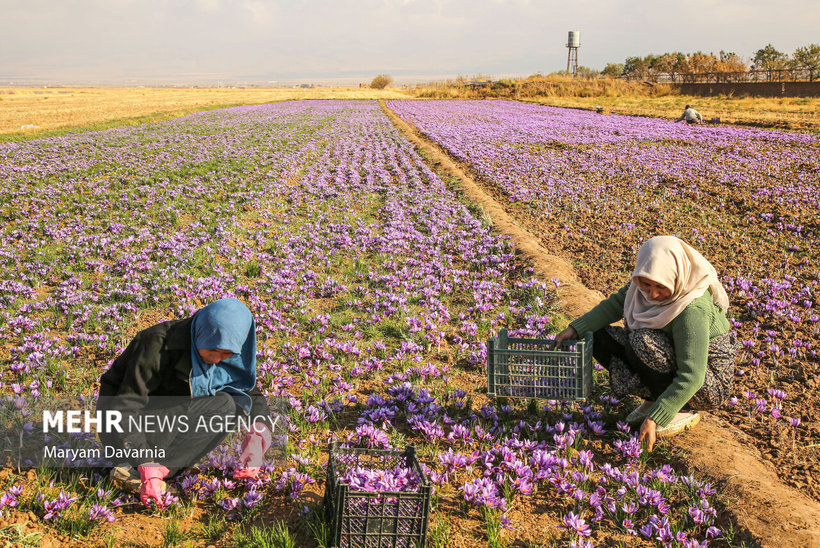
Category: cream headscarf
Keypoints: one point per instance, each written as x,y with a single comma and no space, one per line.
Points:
674,264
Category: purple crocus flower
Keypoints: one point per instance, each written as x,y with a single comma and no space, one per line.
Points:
713,532
101,512
7,499
55,508
251,498
229,503
576,525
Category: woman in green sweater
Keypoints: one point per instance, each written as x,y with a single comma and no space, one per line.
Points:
677,348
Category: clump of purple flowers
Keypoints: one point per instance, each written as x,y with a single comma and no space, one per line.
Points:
55,508
484,492
292,482
396,479
101,512
9,498
370,436
576,525
165,502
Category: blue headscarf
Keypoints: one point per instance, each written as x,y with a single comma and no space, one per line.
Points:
226,324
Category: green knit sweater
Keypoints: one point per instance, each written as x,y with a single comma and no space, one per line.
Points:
691,332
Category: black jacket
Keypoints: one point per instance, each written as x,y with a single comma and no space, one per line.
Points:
157,363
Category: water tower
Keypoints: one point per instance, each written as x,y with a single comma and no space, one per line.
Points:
573,43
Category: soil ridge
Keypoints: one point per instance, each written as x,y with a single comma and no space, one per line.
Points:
773,513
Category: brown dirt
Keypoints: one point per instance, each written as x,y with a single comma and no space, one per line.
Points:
776,514
773,513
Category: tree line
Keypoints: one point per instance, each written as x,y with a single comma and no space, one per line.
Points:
683,67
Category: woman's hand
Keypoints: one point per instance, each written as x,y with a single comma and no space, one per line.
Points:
151,475
648,428
567,334
256,442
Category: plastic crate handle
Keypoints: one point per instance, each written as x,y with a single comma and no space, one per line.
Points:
491,366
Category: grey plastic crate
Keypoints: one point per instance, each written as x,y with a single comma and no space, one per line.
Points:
365,519
533,368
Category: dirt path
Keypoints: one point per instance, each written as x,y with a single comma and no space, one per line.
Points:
773,513
575,298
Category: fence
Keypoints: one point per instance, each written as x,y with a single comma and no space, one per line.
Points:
753,89
774,75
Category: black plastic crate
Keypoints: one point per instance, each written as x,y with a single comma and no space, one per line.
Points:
375,519
534,368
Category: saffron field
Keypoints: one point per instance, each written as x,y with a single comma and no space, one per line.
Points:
375,288
594,187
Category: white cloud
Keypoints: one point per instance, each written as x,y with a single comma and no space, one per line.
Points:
262,13
210,6
371,36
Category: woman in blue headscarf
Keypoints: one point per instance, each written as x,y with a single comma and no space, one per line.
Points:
179,387
223,351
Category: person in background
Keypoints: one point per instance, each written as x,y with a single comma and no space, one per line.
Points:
201,367
676,350
691,116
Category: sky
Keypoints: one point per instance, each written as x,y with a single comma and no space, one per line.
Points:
348,41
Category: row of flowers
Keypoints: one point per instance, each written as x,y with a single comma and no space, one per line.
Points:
374,289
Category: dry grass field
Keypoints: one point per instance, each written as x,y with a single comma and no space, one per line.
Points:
801,113
36,112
